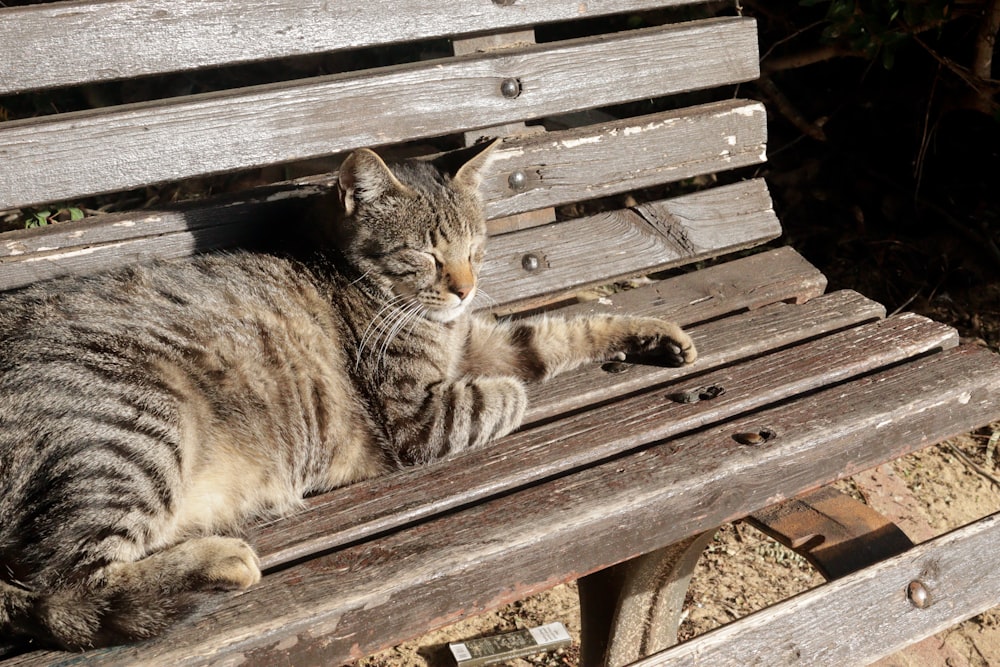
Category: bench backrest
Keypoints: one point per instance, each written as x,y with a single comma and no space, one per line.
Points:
588,91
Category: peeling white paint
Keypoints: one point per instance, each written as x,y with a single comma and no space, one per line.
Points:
731,140
883,424
507,154
964,398
127,223
749,110
73,253
605,301
573,143
655,125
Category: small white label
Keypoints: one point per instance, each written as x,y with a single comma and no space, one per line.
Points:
549,634
460,652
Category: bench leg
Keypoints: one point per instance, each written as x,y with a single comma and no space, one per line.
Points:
633,609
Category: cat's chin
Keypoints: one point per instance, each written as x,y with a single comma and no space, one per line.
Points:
445,315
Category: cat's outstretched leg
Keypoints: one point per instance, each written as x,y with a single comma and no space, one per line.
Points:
540,347
129,601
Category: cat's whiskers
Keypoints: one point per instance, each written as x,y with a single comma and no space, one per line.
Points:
376,322
407,313
360,278
379,320
490,302
386,322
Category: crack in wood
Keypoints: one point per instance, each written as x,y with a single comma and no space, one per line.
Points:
668,226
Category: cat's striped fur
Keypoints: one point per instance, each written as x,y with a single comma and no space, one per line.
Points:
149,412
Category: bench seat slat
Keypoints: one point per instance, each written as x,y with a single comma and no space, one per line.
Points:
345,604
725,341
863,616
53,158
119,39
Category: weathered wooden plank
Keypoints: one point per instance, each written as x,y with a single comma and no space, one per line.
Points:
723,342
528,456
746,283
69,155
627,154
863,616
101,41
632,153
571,255
343,605
744,213
244,216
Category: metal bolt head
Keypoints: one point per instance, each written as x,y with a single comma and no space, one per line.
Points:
749,438
615,367
517,180
754,438
510,88
530,262
918,595
504,3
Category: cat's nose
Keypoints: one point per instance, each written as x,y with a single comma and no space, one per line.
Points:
462,291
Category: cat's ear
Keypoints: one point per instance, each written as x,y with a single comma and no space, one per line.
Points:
366,178
466,166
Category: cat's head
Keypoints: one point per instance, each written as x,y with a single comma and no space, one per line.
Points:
417,227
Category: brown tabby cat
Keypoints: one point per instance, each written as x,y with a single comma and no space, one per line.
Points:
148,412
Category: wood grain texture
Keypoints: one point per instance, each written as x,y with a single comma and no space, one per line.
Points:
745,283
105,40
70,155
627,154
579,253
586,162
864,616
720,342
710,223
534,454
345,604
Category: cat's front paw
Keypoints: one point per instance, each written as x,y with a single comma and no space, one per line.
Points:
660,339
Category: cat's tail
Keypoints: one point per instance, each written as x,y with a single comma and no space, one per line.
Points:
81,618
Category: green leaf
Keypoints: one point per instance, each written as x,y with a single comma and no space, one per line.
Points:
75,214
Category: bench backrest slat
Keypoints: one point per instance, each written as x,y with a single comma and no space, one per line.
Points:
117,39
53,158
570,255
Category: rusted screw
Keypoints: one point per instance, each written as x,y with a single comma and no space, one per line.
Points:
699,394
918,594
754,438
530,262
615,367
517,180
510,88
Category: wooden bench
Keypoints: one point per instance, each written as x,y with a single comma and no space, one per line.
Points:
622,465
